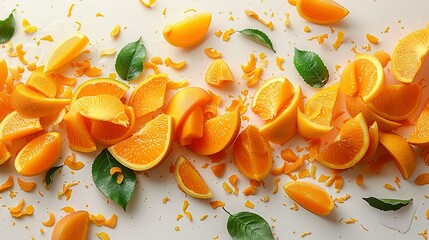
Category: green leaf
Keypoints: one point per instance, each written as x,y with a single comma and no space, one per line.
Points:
7,28
387,204
311,68
50,174
129,63
258,36
248,226
106,183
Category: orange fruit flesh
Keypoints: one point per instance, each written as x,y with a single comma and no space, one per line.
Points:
78,135
99,86
4,153
193,126
42,82
252,154
190,180
348,84
373,142
39,155
73,226
369,76
321,11
5,105
218,73
320,106
310,196
420,134
15,126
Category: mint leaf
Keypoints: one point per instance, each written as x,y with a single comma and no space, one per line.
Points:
7,28
258,36
49,177
129,63
387,204
106,183
248,226
311,68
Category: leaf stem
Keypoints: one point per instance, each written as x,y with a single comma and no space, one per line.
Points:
226,211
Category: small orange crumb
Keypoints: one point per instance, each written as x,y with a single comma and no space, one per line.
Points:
205,165
97,219
332,29
219,169
165,200
26,186
188,215
350,221
340,39
331,180
343,198
31,66
279,63
227,34
71,162
398,182
359,180
156,60
21,53
10,50
203,217
371,38
103,236
424,234
99,14
177,228
320,38
305,234
292,176
383,57
51,221
111,222
66,190
149,4
250,190
217,203
338,183
304,173
233,181
262,55
294,207
178,217
218,33
176,65
307,29
337,67
231,18
68,209
389,186
69,13
287,20
7,184
212,53
249,204
108,52
47,38
115,31
226,187
386,30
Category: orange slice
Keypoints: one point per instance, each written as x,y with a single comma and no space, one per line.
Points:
193,127
348,84
190,180
78,134
218,133
218,73
149,95
189,31
15,126
321,11
373,142
271,96
369,76
33,104
66,51
401,151
308,128
420,134
253,154
5,105
73,226
397,102
39,155
148,147
274,130
310,196
42,82
409,54
99,86
4,153
351,146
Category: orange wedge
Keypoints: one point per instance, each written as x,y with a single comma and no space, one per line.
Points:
321,11
149,95
74,226
39,155
193,127
42,82
369,76
190,180
401,151
420,134
351,146
308,128
218,74
15,126
4,153
99,86
270,96
373,142
409,54
148,147
66,51
348,84
78,134
5,105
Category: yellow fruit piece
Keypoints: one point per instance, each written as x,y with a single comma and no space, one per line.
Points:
73,226
5,105
218,74
420,134
39,155
192,127
149,95
401,151
4,72
78,135
271,96
190,180
99,86
15,126
33,104
148,147
320,106
189,31
409,54
321,11
4,153
115,31
66,51
42,82
310,196
369,76
308,128
348,84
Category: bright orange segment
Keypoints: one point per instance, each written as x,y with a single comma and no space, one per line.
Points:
5,105
253,154
373,142
190,180
42,82
218,73
321,11
348,84
369,76
4,153
420,134
148,147
73,226
193,126
78,134
15,126
320,106
99,86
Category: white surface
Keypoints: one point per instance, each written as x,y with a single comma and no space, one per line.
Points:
147,217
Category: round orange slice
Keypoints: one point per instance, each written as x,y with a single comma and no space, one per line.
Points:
321,11
99,86
190,180
15,126
73,226
218,73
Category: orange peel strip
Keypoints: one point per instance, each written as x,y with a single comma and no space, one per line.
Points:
422,179
103,235
7,184
68,209
212,53
176,65
233,181
97,219
17,208
111,222
26,186
217,203
250,190
51,221
251,64
71,162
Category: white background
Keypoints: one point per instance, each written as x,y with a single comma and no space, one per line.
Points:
146,216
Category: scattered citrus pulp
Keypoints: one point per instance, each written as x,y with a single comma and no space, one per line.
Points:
16,126
189,31
5,105
271,96
218,133
397,102
73,226
310,196
149,95
321,11
218,73
99,86
148,147
283,127
193,127
4,153
33,104
373,142
190,180
253,154
350,146
39,154
78,134
401,151
409,54
42,82
66,51
420,134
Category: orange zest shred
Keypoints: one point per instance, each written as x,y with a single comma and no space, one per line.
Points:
389,186
51,221
237,104
203,217
294,207
226,187
47,38
398,182
66,190
172,85
371,38
149,4
71,162
68,209
279,63
254,15
21,54
226,35
292,176
313,171
17,208
111,222
219,169
185,210
340,39
176,65
350,221
212,53
304,173
17,211
7,184
233,181
178,217
251,64
342,199
103,236
338,183
153,66
108,52
287,20
69,13
118,172
26,186
85,68
97,219
265,198
360,180
278,170
217,203
427,214
253,77
218,33
165,200
9,50
305,234
276,185
250,190
156,60
249,204
320,38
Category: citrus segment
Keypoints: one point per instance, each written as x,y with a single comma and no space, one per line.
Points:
39,154
218,133
5,105
218,73
148,147
351,146
99,86
73,226
189,31
42,82
253,154
348,84
321,11
308,128
66,51
373,142
420,134
78,135
270,96
401,151
4,153
192,127
369,76
15,126
190,180
319,107
310,196
149,95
